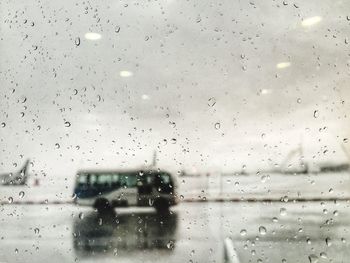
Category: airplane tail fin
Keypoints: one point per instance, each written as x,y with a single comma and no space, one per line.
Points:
25,167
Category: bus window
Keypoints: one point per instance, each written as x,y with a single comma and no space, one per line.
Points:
165,178
128,180
93,180
82,180
104,180
115,178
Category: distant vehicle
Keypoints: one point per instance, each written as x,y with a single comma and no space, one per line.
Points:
108,189
18,178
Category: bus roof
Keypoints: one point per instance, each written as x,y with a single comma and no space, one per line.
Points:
132,171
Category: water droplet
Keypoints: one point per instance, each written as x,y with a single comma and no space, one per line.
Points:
299,100
150,202
275,219
313,258
211,102
74,196
67,124
323,255
3,125
316,114
16,250
182,197
262,230
263,178
170,244
308,241
77,41
284,260
283,211
146,38
173,140
348,18
21,194
36,230
57,145
10,200
217,126
81,215
75,92
117,29
243,232
345,140
115,252
100,221
328,242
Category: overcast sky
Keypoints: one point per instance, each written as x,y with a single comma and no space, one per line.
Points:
210,85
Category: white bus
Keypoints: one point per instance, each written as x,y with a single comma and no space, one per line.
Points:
108,189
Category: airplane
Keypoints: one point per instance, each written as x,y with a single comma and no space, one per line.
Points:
18,178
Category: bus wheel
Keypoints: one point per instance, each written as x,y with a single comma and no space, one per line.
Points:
161,205
103,206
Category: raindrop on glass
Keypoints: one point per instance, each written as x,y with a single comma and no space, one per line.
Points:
313,258
262,230
283,211
21,194
243,232
81,215
77,41
170,244
217,126
323,255
211,102
316,114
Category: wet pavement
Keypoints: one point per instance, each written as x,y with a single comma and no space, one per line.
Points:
192,232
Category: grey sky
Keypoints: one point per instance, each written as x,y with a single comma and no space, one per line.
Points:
181,54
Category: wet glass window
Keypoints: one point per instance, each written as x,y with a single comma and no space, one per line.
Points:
175,131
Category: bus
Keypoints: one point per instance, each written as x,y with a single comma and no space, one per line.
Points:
105,190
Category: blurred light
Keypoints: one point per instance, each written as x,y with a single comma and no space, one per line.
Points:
311,21
145,97
283,65
92,36
125,73
266,91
